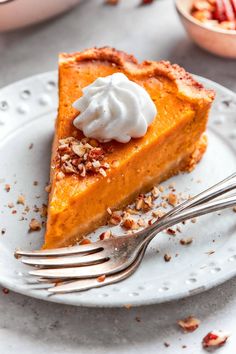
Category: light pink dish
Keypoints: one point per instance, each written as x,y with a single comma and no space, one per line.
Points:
215,40
20,13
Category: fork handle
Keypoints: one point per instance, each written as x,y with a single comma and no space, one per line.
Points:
219,189
226,185
193,212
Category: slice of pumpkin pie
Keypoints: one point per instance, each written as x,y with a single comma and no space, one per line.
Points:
121,128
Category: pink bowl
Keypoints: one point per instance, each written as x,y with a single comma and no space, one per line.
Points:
217,41
20,13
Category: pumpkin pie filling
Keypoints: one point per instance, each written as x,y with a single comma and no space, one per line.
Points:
112,174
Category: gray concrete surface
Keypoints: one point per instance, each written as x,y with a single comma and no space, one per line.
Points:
31,326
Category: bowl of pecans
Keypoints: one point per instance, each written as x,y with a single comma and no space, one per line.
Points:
211,24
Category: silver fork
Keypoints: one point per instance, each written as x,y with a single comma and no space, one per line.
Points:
75,285
118,258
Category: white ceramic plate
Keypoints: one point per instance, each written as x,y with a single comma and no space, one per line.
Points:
27,115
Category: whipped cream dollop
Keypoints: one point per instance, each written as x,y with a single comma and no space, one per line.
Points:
114,107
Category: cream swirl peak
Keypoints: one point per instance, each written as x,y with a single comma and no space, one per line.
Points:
114,107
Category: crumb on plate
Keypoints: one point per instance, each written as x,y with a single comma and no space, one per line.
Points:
34,225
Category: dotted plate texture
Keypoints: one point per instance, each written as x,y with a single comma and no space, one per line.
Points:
27,116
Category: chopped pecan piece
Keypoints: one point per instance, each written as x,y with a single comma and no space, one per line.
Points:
21,200
164,205
85,241
101,279
143,203
167,257
96,153
155,192
36,209
27,209
43,210
158,213
172,199
148,203
171,232
132,211
34,225
139,204
7,187
130,224
105,235
141,222
215,339
189,324
186,241
78,149
115,218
